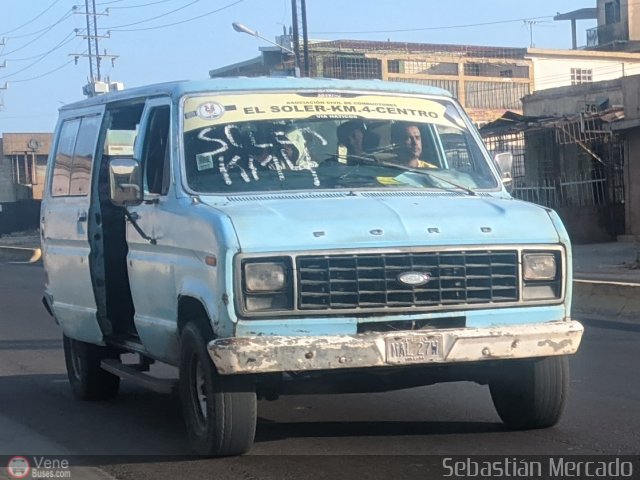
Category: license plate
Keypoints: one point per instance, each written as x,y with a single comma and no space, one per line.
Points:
414,349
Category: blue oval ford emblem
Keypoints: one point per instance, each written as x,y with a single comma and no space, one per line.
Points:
414,279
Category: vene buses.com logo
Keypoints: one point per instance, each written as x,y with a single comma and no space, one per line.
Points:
18,467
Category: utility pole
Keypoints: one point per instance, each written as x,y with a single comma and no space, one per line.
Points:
530,24
3,65
96,83
300,22
2,88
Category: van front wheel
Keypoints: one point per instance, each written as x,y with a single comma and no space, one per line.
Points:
531,393
220,412
88,380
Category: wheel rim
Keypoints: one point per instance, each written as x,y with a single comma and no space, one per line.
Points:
199,391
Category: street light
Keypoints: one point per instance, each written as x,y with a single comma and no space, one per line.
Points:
239,27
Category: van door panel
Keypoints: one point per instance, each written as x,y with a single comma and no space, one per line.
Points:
66,243
152,266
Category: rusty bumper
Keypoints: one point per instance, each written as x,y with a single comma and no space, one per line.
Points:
247,355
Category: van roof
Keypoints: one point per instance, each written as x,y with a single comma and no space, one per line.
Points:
235,84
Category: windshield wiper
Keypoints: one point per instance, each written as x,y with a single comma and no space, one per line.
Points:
420,171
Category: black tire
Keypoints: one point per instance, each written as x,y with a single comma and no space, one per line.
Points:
220,412
532,393
89,381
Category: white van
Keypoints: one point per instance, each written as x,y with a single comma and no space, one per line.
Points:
271,236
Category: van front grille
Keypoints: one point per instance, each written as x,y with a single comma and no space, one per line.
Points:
370,281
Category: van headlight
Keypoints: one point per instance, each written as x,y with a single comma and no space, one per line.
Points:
266,285
539,266
264,277
542,275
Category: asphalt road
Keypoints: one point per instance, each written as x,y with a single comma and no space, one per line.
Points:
140,435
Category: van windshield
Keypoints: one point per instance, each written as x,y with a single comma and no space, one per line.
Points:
277,142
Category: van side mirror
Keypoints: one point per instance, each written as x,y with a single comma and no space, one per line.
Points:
504,162
125,182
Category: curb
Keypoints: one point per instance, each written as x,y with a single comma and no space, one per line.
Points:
20,254
607,300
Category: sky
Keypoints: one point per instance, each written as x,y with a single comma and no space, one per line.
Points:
163,40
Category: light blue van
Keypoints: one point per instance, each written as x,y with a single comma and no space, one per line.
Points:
269,235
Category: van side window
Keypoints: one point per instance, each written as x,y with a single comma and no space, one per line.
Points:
83,156
156,153
74,157
64,158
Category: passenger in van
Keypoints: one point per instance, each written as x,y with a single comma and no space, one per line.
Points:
408,140
351,135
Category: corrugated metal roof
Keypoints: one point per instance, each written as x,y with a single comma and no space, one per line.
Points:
407,47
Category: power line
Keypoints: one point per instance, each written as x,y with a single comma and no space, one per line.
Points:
434,28
63,42
112,1
44,32
156,17
38,55
43,74
137,6
32,20
180,22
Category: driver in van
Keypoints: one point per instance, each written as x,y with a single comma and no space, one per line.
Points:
408,140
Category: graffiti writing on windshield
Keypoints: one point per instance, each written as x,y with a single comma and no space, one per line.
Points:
237,150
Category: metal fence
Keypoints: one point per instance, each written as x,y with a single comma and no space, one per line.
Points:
582,190
547,181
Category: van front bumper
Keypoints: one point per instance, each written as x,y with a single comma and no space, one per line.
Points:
263,354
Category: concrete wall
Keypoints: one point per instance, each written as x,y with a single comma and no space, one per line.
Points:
632,188
552,68
23,147
587,224
629,26
572,100
633,12
620,30
7,190
631,93
19,216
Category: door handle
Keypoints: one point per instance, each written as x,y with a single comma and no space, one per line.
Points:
82,216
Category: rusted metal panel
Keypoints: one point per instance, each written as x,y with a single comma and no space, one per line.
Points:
281,353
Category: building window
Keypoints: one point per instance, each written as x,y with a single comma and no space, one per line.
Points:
422,67
472,69
581,75
495,95
612,12
496,70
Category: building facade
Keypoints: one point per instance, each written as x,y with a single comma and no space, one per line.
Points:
488,81
23,159
618,26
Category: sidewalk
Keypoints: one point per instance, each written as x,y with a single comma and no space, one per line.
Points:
606,282
607,262
21,247
606,276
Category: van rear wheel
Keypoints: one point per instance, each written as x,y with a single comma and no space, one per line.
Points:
87,379
220,412
531,394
